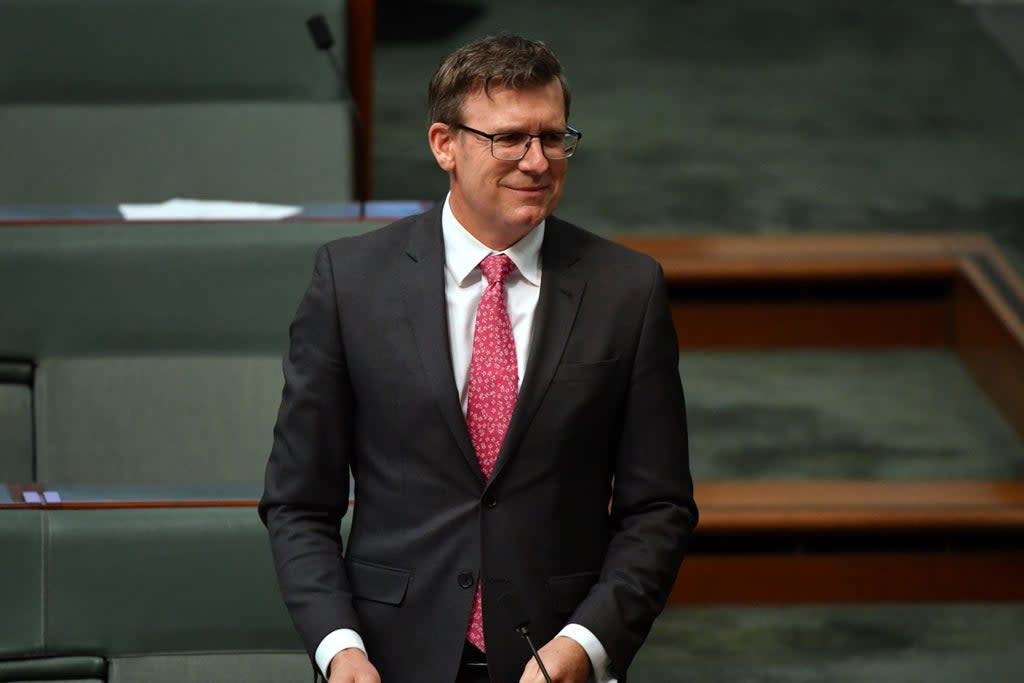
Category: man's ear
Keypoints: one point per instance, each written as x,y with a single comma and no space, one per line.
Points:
441,137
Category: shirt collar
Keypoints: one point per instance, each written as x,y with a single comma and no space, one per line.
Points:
463,252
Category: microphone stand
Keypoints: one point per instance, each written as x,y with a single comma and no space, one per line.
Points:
524,631
320,32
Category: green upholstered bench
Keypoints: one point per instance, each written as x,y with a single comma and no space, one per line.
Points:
177,593
145,356
143,593
113,101
147,353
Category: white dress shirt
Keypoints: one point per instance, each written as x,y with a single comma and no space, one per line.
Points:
464,285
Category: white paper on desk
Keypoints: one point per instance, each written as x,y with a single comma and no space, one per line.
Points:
206,210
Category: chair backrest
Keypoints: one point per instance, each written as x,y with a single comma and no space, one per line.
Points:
143,594
143,100
21,584
16,421
172,418
278,152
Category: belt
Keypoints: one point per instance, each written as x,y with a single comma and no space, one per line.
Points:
472,657
473,666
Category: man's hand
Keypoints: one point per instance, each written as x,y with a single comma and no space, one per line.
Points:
565,660
352,666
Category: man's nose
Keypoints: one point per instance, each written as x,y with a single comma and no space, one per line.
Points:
534,160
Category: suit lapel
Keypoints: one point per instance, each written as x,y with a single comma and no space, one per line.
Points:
560,294
423,284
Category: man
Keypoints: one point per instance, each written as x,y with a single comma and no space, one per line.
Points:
493,376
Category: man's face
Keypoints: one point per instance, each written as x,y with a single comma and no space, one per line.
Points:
501,201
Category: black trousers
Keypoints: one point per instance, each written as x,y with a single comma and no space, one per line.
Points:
473,668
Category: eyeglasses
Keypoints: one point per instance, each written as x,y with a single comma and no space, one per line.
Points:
513,146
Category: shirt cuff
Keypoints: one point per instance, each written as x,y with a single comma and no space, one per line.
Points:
599,661
333,643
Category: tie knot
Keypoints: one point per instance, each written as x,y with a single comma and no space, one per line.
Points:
496,267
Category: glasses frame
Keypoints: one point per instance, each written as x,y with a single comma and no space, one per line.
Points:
569,130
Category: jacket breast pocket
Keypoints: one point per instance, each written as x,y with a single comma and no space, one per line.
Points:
586,372
378,582
567,591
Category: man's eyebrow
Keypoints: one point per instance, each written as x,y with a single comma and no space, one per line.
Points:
543,131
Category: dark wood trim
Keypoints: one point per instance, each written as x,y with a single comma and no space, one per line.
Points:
799,291
989,339
17,492
847,577
361,23
806,322
130,505
149,504
285,223
1012,281
860,506
810,257
812,506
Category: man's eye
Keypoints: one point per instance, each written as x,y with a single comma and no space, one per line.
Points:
552,139
511,139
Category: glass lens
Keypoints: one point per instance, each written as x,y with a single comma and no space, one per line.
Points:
510,146
569,142
555,145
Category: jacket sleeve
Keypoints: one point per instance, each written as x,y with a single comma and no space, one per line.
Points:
306,488
653,513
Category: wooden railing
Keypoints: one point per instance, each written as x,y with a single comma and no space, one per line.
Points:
866,291
814,541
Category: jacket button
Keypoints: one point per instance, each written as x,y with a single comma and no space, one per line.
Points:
490,501
466,579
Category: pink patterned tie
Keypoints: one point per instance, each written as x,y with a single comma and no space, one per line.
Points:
493,387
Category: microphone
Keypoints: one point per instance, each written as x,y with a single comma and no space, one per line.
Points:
320,32
323,39
513,607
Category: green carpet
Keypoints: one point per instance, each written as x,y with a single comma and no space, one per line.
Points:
867,415
836,643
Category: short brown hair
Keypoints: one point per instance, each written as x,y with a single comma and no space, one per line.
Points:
506,61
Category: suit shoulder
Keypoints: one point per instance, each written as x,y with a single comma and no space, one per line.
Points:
601,250
379,251
386,238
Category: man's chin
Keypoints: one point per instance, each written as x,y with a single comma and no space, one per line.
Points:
529,217
533,212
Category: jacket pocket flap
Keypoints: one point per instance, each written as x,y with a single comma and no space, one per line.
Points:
568,591
377,582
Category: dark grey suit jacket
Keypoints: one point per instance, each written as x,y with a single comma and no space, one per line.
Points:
369,386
